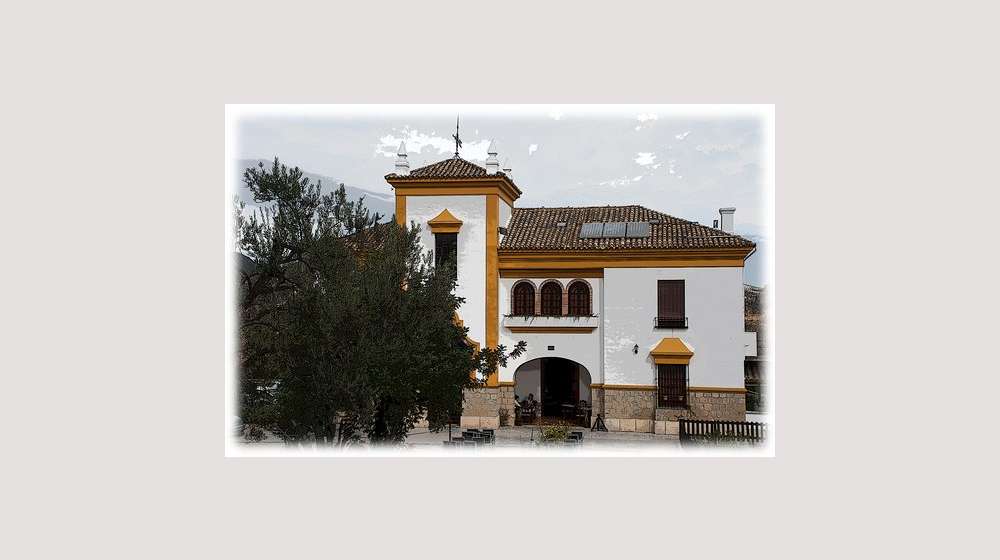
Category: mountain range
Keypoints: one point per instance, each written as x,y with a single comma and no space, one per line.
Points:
383,204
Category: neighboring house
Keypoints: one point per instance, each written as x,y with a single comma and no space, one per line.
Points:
755,365
635,312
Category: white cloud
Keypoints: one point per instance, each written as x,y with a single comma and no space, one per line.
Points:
532,148
416,141
645,120
645,158
682,136
709,148
616,182
637,178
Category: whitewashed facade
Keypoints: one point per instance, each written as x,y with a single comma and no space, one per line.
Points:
615,351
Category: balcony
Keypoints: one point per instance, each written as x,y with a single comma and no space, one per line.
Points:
670,322
567,324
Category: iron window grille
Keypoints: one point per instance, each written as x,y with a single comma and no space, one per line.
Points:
671,322
672,384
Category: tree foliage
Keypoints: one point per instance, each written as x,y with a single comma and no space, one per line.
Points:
347,315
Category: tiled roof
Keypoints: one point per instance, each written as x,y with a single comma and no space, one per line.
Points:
535,228
451,168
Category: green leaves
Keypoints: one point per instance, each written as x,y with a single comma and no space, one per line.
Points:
348,316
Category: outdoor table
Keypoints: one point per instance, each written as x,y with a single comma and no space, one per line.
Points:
567,409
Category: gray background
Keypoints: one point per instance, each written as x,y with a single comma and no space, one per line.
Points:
114,183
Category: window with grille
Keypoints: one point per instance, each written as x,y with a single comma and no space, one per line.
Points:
551,299
670,304
672,385
524,299
579,299
446,250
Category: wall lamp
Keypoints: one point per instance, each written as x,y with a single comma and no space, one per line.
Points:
635,349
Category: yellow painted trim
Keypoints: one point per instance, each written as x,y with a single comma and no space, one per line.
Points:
550,273
632,387
511,260
473,343
492,277
671,351
400,209
445,222
552,330
506,383
462,187
674,360
597,385
717,389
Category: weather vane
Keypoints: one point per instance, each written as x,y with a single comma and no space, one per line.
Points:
458,142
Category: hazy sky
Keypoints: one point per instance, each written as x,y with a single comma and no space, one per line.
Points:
681,161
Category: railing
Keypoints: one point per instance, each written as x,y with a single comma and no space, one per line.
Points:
755,432
671,322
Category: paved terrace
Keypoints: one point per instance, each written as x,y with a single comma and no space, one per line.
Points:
520,438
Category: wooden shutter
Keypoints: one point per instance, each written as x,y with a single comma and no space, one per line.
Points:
524,299
579,299
551,299
670,299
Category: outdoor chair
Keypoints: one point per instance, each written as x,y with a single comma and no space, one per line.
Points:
479,441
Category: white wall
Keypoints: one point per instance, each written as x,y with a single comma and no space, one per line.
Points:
471,250
504,217
714,306
584,349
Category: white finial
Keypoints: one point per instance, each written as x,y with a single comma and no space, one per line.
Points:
402,166
506,166
492,163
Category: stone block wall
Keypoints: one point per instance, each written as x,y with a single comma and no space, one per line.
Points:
629,410
717,405
596,402
505,400
479,408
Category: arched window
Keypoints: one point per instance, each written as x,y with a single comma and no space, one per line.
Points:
551,299
579,299
524,299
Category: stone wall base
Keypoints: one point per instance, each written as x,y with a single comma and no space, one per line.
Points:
635,410
480,421
629,410
480,407
712,405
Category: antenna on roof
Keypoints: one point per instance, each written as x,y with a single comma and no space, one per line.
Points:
458,142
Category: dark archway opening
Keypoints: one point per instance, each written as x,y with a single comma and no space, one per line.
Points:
560,387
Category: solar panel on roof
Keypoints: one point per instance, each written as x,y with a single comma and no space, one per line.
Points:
614,229
591,230
637,229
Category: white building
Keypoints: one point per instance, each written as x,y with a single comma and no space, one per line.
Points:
627,312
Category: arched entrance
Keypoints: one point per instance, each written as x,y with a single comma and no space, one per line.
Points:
558,385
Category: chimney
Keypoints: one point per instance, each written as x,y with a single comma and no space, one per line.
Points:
715,224
402,166
727,219
492,163
506,166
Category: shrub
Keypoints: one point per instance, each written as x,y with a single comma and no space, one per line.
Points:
555,433
253,433
504,416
